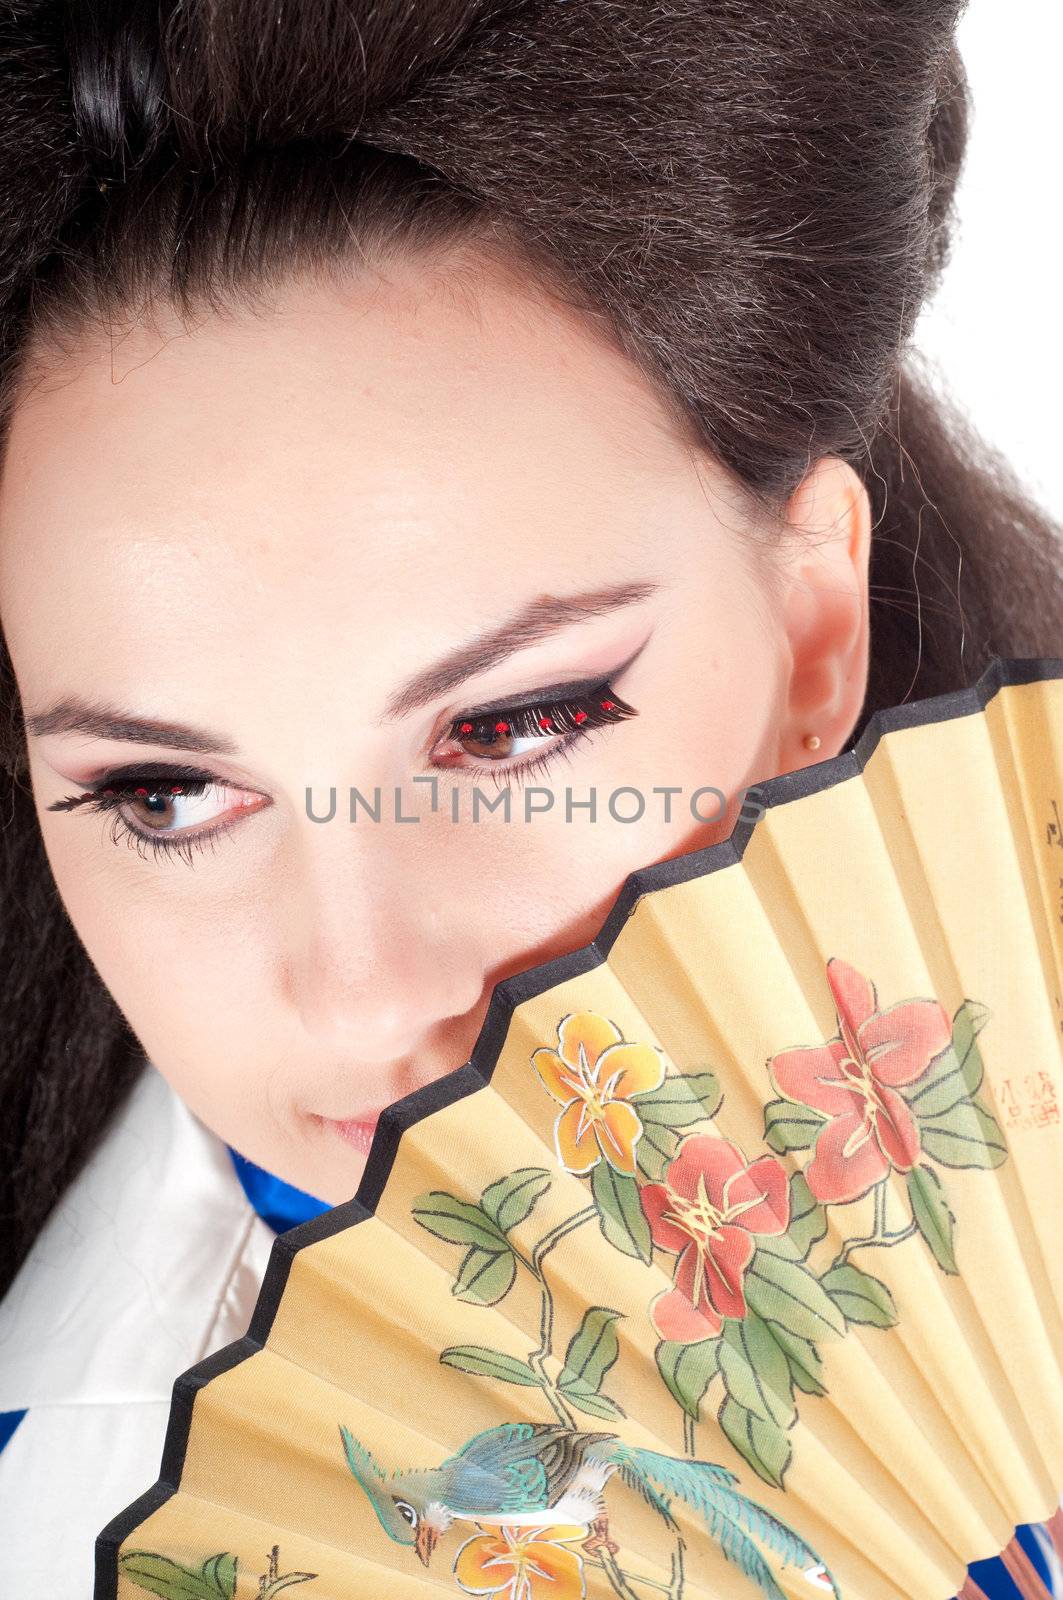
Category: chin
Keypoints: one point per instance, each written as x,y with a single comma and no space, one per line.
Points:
336,1191
337,1166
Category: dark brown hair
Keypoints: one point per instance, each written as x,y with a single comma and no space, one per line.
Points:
749,197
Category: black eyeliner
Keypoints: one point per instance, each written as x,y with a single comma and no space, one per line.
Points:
146,772
573,689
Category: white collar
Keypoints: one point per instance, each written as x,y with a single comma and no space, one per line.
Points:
151,1260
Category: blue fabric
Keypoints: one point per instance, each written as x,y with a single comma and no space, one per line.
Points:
992,1576
278,1203
9,1421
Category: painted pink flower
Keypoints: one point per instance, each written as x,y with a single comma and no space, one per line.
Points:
853,1082
708,1210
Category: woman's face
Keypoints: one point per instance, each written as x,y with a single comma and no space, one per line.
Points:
279,555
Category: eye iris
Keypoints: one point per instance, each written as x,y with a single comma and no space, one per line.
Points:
153,804
502,739
496,742
156,804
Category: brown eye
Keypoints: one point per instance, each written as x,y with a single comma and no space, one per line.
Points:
167,808
492,740
155,809
166,814
499,737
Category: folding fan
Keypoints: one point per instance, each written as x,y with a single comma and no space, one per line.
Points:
732,1262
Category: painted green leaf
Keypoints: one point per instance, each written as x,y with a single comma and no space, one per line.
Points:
957,1073
683,1098
790,1126
784,1291
583,1398
806,1366
511,1199
220,1570
620,1212
781,1244
971,1017
860,1296
592,1350
967,1135
765,1445
808,1223
457,1221
159,1575
688,1369
485,1276
755,1370
808,1219
933,1216
487,1363
654,1148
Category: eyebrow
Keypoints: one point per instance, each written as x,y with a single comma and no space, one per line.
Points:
538,619
74,714
541,617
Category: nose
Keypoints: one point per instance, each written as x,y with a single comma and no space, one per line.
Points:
375,957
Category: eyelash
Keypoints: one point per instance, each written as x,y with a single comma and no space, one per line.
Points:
577,718
117,789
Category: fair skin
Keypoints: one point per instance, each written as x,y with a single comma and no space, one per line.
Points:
264,527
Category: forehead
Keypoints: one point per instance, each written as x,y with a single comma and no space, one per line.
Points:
271,520
362,438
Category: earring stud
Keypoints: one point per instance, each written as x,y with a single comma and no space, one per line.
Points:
812,741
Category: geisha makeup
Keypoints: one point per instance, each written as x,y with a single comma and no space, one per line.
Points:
339,543
547,729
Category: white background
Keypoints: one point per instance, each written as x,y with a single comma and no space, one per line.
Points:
995,328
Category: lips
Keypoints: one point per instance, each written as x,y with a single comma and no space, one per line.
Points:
360,1133
355,1131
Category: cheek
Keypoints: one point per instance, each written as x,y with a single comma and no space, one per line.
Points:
728,672
182,964
663,784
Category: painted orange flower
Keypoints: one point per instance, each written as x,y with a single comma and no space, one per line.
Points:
595,1074
523,1564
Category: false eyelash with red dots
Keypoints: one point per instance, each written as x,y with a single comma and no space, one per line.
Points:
171,780
558,716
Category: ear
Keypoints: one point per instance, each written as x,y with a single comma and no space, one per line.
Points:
823,572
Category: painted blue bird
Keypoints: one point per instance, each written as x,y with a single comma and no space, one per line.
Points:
539,1474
